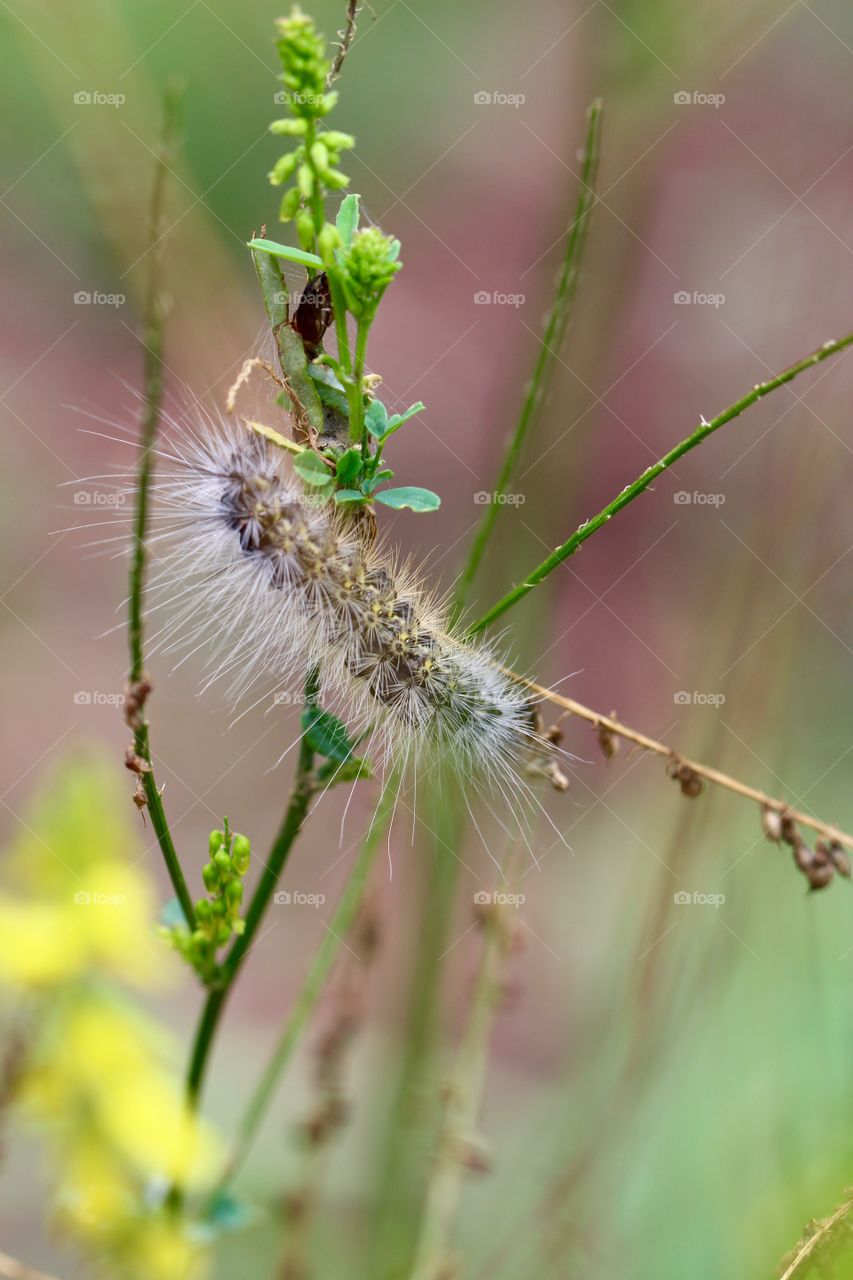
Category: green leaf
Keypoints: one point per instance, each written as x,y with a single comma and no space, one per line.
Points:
397,419
343,496
347,219
311,468
370,486
328,387
408,496
287,251
376,418
326,734
348,467
350,771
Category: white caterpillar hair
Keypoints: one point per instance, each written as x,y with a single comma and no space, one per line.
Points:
276,583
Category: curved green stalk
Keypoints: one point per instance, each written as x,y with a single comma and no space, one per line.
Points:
632,491
552,340
152,345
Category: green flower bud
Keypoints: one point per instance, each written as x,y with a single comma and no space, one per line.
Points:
203,911
337,141
305,229
369,264
320,157
215,841
234,893
328,241
302,51
335,179
241,852
305,181
210,877
223,936
290,128
285,167
223,864
289,204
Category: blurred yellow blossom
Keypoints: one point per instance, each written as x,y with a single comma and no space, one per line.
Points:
76,901
99,1083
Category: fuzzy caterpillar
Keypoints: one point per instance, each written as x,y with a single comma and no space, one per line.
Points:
280,583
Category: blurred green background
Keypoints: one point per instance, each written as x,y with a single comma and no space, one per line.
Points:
669,1092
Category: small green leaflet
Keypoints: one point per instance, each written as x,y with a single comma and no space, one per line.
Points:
381,426
408,496
348,467
326,734
347,219
311,468
376,418
287,251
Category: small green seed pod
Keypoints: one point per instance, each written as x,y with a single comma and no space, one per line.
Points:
241,851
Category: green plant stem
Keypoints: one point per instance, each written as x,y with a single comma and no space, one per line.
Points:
632,491
342,921
152,346
304,786
358,430
339,311
552,340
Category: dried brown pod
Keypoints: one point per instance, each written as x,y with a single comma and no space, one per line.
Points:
133,762
135,695
840,858
608,741
687,778
771,823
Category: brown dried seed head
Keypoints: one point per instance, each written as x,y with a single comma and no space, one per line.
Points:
840,859
607,741
771,823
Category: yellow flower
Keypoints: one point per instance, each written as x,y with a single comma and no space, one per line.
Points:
81,903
